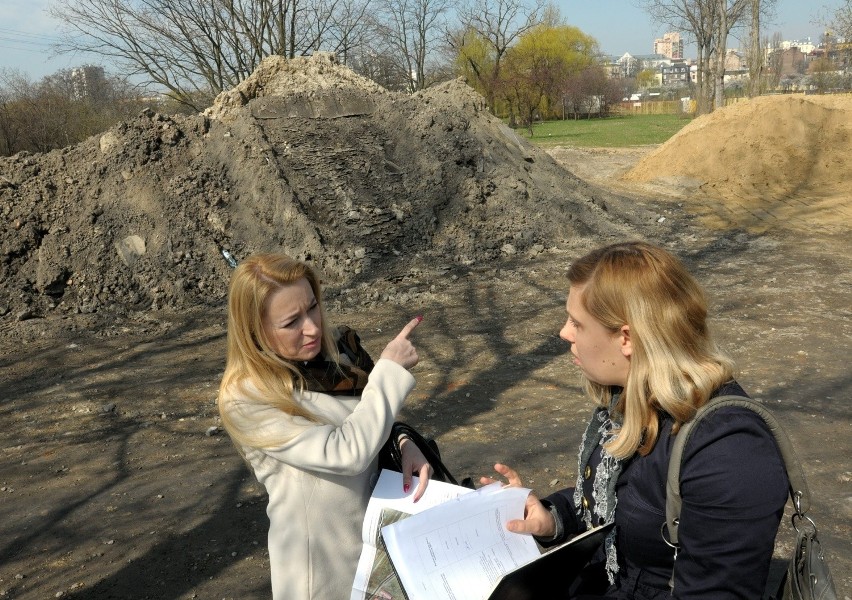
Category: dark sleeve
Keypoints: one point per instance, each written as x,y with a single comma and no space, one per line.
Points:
734,487
563,503
349,343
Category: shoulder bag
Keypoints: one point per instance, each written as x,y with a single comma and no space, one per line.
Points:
808,576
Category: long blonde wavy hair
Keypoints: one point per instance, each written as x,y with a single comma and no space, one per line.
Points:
675,365
253,370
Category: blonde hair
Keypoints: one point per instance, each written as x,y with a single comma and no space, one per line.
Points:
675,365
253,370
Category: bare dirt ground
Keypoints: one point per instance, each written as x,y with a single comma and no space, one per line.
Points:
115,481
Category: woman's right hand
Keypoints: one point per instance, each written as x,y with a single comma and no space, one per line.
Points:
400,349
537,521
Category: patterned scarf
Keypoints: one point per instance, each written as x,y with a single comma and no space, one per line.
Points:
598,432
346,378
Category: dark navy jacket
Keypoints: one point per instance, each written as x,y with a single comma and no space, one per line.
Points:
734,487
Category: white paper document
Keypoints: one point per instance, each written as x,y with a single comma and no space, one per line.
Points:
460,549
375,577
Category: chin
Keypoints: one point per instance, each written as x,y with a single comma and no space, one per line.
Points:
311,354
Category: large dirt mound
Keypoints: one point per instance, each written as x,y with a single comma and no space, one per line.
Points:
771,145
304,156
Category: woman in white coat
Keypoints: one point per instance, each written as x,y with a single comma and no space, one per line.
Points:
309,411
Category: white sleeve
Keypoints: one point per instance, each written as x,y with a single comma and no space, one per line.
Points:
347,449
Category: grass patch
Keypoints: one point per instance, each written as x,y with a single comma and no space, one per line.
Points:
611,132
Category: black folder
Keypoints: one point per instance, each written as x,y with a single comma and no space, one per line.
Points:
554,570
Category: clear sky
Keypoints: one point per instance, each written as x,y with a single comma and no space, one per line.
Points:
621,26
26,30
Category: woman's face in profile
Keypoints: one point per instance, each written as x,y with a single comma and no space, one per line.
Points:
602,355
292,321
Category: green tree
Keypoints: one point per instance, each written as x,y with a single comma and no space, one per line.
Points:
537,67
474,60
646,78
488,29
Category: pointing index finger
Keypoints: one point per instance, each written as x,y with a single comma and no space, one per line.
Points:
409,327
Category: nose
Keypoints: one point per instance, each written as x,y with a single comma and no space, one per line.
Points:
567,332
311,327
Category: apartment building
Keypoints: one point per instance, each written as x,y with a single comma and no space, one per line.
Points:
86,81
670,46
675,72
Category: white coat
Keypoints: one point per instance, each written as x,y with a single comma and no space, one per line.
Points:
320,480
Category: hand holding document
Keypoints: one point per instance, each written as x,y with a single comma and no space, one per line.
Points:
453,545
461,548
375,577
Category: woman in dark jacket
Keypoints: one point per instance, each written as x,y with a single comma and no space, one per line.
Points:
637,325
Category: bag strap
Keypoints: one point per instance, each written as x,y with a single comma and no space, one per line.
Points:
798,486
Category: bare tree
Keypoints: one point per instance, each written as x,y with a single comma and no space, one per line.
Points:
728,14
193,49
759,9
823,75
36,116
755,56
57,111
841,24
349,28
498,23
841,20
697,17
11,128
773,60
379,67
580,91
709,23
611,93
409,31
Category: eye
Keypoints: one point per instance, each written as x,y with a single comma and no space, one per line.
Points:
290,322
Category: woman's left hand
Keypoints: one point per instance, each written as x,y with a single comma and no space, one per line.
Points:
538,520
414,463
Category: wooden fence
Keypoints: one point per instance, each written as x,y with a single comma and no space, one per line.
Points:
668,107
651,107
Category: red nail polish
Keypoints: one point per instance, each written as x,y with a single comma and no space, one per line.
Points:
419,318
405,487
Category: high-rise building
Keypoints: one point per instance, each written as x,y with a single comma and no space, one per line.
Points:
670,45
86,80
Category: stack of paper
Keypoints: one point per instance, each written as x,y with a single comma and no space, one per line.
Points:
461,548
376,577
453,545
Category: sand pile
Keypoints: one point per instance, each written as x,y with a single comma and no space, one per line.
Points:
305,157
772,146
